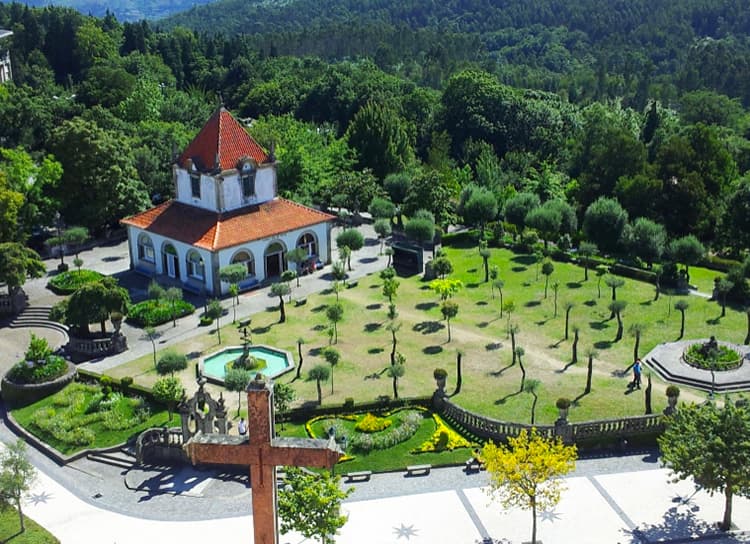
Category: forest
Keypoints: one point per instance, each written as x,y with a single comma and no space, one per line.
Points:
530,119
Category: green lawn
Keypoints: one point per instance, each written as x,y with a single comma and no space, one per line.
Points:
10,527
80,417
490,385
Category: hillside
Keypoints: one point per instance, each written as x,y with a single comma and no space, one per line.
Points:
124,10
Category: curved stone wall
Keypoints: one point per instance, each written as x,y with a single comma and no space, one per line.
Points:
18,395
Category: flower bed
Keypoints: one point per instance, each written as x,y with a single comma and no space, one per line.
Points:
67,283
152,312
725,358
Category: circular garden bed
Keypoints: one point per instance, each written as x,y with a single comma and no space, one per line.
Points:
67,283
719,358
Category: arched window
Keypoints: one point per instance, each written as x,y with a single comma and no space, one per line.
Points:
245,258
196,268
146,249
247,179
308,243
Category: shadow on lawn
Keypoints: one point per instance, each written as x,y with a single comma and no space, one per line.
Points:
492,346
428,327
497,373
506,397
372,327
432,350
374,306
573,285
426,305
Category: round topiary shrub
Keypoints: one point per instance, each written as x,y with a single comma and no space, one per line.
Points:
673,391
563,403
439,373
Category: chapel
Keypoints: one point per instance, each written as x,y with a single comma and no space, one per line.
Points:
226,210
6,72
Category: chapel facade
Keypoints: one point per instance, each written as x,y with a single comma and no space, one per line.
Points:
226,210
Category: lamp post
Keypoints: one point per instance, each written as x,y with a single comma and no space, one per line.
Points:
60,246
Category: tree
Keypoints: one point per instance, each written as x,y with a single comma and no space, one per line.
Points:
78,263
459,373
636,330
319,373
547,269
531,387
441,265
95,302
283,396
335,314
477,206
518,207
687,250
310,504
297,256
449,309
647,239
172,296
723,286
604,223
574,347
381,138
446,288
168,391
601,270
681,305
555,290
18,263
300,342
214,310
485,253
616,307
568,306
382,208
432,191
352,239
613,282
396,371
17,475
708,443
586,250
281,289
421,228
233,274
382,228
499,284
509,307
519,353
332,357
170,362
590,354
747,315
236,379
393,327
526,473
390,287
151,334
546,221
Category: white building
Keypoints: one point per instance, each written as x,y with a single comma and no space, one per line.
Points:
226,211
6,73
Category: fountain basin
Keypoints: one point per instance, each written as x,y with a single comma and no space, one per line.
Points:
278,361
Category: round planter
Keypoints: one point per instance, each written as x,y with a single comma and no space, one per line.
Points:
18,395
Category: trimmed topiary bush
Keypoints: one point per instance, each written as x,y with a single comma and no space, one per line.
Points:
68,282
39,365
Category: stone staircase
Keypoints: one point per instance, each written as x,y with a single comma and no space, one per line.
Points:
122,458
38,316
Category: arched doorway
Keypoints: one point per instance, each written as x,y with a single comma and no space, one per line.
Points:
170,262
146,249
196,268
275,262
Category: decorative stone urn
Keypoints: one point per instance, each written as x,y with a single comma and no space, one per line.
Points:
440,376
563,405
673,394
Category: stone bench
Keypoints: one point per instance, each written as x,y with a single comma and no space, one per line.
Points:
413,470
362,475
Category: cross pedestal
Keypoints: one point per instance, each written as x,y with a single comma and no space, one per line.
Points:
262,452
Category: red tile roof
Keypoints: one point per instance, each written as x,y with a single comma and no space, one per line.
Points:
213,231
224,137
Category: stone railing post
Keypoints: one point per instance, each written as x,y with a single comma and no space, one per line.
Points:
564,431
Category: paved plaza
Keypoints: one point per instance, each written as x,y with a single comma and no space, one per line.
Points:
609,500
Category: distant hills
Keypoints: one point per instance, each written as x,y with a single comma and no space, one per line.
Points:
124,10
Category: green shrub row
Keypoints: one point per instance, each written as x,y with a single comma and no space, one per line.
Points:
67,283
152,312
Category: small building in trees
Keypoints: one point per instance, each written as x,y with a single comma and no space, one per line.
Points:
225,211
6,72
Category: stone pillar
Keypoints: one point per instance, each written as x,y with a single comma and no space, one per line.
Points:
262,475
564,431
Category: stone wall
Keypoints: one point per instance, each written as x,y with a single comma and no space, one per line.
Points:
18,395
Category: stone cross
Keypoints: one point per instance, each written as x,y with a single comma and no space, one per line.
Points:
262,452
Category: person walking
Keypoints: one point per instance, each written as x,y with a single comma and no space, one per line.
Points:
242,427
637,374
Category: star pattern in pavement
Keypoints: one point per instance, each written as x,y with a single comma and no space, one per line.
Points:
549,515
405,531
39,498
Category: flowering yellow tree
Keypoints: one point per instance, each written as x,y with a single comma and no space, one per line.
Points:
526,473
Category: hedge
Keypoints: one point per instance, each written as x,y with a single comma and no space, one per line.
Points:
67,283
150,313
